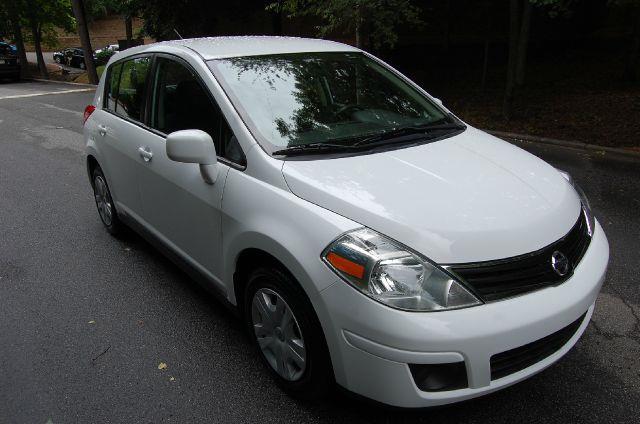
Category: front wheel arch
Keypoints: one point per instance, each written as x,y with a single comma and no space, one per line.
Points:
254,262
247,261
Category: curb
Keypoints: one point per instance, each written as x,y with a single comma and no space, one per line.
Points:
62,82
565,143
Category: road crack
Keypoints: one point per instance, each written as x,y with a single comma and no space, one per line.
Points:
103,352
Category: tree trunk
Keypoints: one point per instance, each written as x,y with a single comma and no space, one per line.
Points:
37,35
358,27
511,66
523,42
631,65
487,41
128,26
276,19
85,41
447,25
17,35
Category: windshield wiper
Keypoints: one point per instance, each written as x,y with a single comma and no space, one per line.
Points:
399,133
312,148
367,141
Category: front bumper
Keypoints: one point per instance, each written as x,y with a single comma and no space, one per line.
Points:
371,344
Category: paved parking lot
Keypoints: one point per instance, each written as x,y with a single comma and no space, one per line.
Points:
86,319
24,89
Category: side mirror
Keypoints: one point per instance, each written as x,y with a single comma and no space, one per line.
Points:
194,146
437,100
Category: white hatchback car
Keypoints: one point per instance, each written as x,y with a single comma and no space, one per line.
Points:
365,234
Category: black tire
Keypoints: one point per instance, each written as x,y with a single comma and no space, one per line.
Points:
56,59
317,378
113,225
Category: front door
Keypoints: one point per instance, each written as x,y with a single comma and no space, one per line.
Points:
179,206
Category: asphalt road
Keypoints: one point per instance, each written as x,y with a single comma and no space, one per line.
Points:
86,319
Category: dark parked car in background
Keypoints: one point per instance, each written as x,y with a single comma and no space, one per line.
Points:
9,62
73,56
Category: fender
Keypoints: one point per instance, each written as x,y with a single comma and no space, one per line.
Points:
253,218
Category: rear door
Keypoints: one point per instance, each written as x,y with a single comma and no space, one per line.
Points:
121,130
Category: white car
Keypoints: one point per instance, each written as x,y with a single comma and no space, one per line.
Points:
366,235
110,47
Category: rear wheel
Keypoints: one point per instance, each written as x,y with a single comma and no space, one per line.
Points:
104,203
287,333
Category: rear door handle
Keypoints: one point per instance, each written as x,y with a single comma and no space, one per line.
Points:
145,153
102,130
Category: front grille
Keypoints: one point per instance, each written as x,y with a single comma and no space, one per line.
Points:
503,278
514,360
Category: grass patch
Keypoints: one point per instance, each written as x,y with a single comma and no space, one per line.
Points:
84,78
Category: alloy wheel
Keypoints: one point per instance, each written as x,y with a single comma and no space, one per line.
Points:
103,200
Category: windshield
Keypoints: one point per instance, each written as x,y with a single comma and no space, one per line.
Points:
304,99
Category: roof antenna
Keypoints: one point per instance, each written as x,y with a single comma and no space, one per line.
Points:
176,31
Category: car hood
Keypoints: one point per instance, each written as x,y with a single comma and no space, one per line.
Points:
467,198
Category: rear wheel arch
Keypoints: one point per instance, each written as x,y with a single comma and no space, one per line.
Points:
92,164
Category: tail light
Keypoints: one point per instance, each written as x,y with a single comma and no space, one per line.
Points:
87,113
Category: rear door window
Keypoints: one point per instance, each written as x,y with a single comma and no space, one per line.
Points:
132,88
126,87
112,86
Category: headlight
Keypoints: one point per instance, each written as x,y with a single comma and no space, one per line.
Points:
586,207
389,273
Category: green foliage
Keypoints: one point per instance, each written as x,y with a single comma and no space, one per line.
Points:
556,8
46,15
100,8
376,19
5,23
191,18
104,56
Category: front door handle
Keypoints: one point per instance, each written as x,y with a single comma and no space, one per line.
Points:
102,130
145,153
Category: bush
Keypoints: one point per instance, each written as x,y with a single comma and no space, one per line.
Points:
103,57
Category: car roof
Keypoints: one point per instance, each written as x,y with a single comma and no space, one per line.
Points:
220,47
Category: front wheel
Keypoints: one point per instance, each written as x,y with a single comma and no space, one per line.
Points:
83,66
104,203
287,333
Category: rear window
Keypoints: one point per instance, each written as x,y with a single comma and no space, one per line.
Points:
127,84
